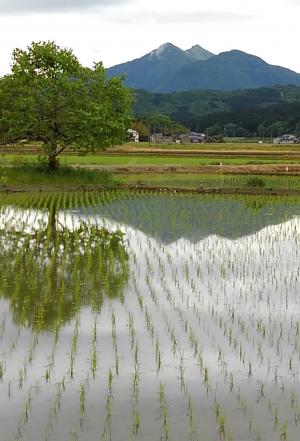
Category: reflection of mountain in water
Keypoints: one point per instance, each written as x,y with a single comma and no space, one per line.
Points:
196,217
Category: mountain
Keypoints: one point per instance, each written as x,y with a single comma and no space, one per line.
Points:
231,71
198,53
154,69
171,69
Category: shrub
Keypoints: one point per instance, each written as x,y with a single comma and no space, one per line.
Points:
255,182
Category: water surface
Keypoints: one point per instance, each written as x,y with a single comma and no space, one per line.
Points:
186,327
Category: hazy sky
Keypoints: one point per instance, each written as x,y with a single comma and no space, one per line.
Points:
114,31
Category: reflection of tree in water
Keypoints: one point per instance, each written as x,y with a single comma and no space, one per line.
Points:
49,274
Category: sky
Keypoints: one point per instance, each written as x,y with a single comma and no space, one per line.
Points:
115,31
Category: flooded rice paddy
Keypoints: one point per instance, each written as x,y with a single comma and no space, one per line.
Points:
149,317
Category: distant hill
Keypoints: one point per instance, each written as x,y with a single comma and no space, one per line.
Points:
170,69
249,108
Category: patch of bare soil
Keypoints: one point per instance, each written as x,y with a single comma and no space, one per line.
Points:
260,169
222,152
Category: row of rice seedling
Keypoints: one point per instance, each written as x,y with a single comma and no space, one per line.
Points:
215,180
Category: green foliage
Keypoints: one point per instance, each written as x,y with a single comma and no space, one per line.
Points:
160,122
49,97
140,127
265,111
255,182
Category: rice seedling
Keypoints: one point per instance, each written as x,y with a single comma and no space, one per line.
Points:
164,416
2,369
106,434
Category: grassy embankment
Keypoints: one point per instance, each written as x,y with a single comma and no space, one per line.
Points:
30,174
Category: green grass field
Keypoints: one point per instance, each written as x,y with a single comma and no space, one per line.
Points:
144,160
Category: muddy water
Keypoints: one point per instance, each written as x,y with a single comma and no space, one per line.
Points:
185,328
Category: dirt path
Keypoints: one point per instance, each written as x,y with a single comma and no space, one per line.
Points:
224,152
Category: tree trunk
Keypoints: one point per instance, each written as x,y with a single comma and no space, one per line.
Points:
53,162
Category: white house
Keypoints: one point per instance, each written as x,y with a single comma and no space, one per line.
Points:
133,135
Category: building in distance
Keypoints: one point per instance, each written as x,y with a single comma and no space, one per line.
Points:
286,139
133,135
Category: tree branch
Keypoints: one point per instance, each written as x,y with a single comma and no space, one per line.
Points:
60,150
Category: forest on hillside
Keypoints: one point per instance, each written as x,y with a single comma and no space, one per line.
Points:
264,112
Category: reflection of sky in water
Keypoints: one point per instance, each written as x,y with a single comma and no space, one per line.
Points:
238,296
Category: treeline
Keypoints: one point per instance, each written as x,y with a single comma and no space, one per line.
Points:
264,112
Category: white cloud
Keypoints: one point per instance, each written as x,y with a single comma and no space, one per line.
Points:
42,6
181,17
116,31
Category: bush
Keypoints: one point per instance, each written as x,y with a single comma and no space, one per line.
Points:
255,182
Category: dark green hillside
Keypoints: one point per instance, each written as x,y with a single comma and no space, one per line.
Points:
248,109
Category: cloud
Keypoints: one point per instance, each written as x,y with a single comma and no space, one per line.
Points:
11,7
182,17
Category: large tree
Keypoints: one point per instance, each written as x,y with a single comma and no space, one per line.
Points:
49,97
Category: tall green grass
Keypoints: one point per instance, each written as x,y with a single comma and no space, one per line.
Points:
30,174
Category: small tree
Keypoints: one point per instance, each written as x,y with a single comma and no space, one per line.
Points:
160,122
140,127
49,97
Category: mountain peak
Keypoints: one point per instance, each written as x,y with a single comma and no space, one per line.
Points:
166,46
241,58
165,50
198,53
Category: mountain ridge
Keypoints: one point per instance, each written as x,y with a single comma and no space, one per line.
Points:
171,69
